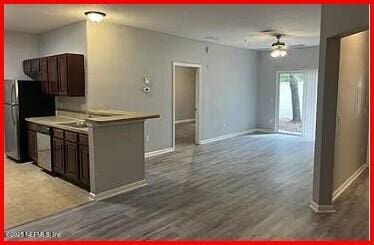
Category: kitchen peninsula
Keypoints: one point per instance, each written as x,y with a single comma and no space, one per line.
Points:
101,150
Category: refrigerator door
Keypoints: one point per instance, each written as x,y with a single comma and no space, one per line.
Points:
11,92
12,134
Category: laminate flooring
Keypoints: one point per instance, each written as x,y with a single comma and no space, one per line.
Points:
253,187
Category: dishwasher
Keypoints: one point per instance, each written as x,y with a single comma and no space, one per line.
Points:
44,148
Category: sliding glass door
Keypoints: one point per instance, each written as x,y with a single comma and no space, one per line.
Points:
296,102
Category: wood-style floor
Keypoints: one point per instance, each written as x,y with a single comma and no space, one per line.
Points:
254,187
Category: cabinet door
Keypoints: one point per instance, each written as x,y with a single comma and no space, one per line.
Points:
32,145
27,67
44,75
58,155
62,75
35,66
53,75
71,160
84,172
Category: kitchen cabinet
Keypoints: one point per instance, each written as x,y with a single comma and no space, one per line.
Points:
58,156
43,76
70,157
52,75
61,75
32,147
72,161
84,174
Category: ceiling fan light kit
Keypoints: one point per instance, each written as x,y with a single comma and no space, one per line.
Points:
279,48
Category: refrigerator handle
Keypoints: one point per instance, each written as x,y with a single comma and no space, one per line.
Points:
11,95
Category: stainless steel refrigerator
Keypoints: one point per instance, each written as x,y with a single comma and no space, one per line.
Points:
23,99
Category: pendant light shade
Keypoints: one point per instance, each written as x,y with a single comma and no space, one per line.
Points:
95,16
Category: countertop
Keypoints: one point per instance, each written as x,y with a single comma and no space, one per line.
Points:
109,116
57,122
93,116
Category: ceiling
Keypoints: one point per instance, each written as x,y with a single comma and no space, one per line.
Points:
233,25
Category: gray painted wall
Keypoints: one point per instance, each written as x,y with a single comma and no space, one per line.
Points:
185,79
296,59
353,107
120,57
68,39
336,21
18,46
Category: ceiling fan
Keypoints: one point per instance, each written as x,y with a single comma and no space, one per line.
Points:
279,48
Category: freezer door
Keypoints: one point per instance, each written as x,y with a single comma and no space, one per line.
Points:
12,134
11,92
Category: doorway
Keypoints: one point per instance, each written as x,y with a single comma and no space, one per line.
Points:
186,104
296,103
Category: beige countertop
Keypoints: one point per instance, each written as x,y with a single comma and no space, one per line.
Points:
109,116
58,122
94,117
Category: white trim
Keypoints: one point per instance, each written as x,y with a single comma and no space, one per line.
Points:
349,181
227,136
266,130
197,100
117,190
185,121
159,152
322,209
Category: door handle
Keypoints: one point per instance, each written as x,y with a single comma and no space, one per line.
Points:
11,95
12,112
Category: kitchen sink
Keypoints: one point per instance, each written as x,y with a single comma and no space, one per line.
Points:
79,124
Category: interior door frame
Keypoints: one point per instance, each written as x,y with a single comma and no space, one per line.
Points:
276,118
197,100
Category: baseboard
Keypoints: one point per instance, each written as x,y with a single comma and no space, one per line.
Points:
159,152
117,190
265,130
227,136
349,181
185,121
321,209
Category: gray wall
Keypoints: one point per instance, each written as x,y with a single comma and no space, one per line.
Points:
185,79
120,57
18,46
68,39
296,59
336,21
353,107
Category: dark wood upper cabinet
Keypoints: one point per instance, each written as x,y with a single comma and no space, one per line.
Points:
27,67
44,75
53,75
35,66
62,75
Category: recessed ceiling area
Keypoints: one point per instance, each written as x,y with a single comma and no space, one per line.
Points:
244,26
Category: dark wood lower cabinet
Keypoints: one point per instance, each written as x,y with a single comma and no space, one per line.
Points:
71,158
84,172
32,148
71,161
58,156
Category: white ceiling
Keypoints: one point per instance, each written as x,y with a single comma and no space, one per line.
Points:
234,25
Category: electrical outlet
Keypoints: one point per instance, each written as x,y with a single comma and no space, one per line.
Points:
224,125
147,138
